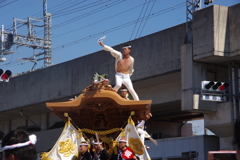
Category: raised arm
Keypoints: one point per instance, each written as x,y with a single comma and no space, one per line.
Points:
113,52
101,43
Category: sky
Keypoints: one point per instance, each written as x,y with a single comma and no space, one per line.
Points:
78,24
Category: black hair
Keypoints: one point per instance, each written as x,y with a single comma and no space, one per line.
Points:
97,140
23,153
123,87
128,46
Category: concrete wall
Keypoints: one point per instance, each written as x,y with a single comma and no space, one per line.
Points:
161,93
210,32
169,129
41,120
155,55
175,147
220,122
212,41
216,34
226,143
193,73
234,29
47,139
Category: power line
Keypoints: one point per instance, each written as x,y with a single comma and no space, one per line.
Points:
2,1
85,15
64,4
70,11
81,16
137,21
40,13
100,20
147,18
17,7
119,27
9,27
142,21
8,3
14,63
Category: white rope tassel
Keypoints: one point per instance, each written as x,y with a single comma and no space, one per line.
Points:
32,141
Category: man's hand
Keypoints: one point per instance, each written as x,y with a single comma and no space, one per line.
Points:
101,43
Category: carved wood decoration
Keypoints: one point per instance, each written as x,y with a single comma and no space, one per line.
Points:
100,108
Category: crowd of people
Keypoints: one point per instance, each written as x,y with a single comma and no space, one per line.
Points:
20,145
17,142
123,152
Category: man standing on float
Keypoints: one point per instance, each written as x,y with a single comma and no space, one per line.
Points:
124,68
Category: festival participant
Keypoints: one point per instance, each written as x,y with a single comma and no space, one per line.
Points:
100,153
105,83
124,93
19,145
85,155
124,152
73,98
141,129
124,68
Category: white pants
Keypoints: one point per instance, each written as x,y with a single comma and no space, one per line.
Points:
120,79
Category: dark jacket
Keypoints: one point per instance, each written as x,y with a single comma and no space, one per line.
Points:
102,155
86,156
119,157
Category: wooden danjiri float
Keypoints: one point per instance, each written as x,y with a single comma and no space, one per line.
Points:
98,110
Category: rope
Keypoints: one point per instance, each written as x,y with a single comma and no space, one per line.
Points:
90,131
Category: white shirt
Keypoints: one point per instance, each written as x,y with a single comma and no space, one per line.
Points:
118,56
140,124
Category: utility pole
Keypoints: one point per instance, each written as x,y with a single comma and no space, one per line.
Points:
47,35
191,6
30,40
2,48
6,42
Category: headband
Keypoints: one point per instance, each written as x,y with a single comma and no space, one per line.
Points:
32,141
83,144
127,46
122,140
97,142
124,90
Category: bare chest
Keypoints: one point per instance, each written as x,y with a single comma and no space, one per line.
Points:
125,62
124,65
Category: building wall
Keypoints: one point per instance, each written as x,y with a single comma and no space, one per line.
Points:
174,147
169,129
234,29
161,93
70,78
40,120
